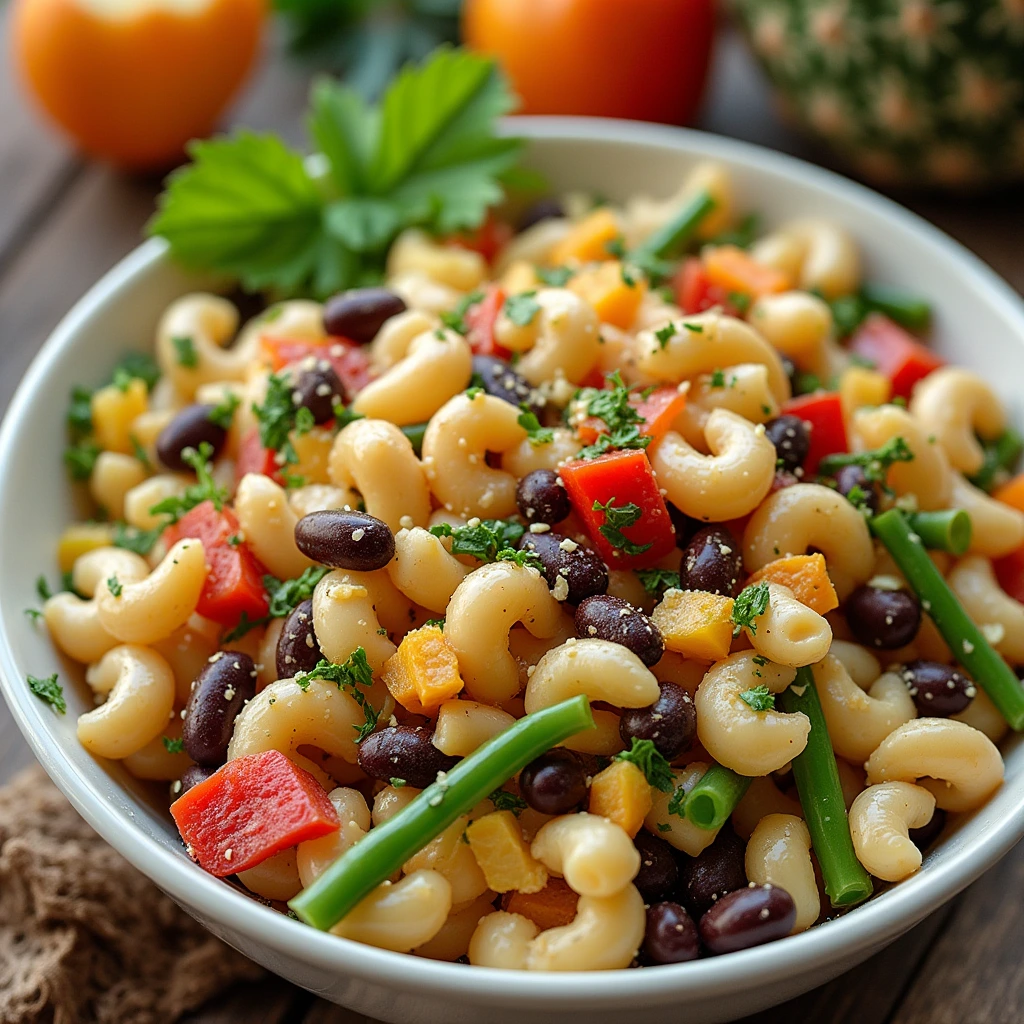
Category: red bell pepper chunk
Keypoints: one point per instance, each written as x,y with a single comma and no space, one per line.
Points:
351,362
658,411
1009,572
895,353
621,477
480,319
694,291
823,411
253,807
234,583
254,458
488,239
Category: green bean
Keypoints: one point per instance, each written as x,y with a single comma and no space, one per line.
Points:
1000,454
949,530
387,847
907,310
415,432
715,797
671,237
965,640
821,796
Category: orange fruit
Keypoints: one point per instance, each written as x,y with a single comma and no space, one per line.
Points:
131,81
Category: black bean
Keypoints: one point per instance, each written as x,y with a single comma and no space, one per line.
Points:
582,569
318,388
748,917
659,872
671,936
542,498
850,477
543,209
191,776
297,647
717,870
712,561
685,527
792,440
924,836
360,313
497,378
554,783
938,690
670,723
404,752
345,539
611,618
189,429
218,695
884,619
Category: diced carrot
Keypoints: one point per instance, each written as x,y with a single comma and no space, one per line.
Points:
733,269
606,288
622,794
552,907
1012,492
806,576
694,291
588,240
503,855
695,624
424,672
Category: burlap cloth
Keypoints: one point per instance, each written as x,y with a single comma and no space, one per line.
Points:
83,936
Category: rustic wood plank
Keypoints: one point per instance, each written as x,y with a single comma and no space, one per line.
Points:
272,1001
974,973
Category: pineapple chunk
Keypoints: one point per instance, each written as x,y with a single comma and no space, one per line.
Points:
424,672
76,540
114,411
503,855
695,624
622,794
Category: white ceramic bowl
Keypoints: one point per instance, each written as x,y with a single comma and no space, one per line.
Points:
979,322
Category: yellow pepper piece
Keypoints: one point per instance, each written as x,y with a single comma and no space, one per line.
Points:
622,794
614,299
503,855
424,672
81,538
695,624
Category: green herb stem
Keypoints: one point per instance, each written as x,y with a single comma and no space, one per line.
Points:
671,237
949,530
715,797
965,640
387,847
821,796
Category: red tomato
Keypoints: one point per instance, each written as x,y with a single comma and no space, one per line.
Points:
641,59
823,410
351,362
234,584
488,239
658,412
480,319
253,807
254,458
897,354
621,478
695,292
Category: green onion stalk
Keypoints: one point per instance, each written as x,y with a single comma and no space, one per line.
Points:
711,801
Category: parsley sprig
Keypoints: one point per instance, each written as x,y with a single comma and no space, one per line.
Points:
760,698
283,597
876,462
751,602
486,539
204,489
612,405
616,519
278,416
646,756
536,434
50,690
503,800
131,538
657,581
354,676
428,155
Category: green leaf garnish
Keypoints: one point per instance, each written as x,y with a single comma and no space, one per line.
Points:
760,698
185,351
50,690
876,463
657,581
536,434
616,519
176,746
751,602
521,308
484,540
204,489
646,756
353,676
503,800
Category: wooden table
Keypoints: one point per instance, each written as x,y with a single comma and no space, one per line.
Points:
64,222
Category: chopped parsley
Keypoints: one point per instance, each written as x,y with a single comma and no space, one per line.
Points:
33,613
742,236
50,690
760,698
554,277
204,489
439,623
657,581
475,390
115,586
536,434
675,805
616,247
694,328
185,351
278,417
133,539
43,589
353,676
286,595
664,334
398,783
139,365
173,746
646,756
612,405
79,415
224,412
455,319
484,540
876,463
859,498
80,458
235,540
527,559
752,602
616,519
343,417
740,301
522,308
717,379
139,452
503,800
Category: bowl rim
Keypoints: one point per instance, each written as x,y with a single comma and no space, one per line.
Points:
843,939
